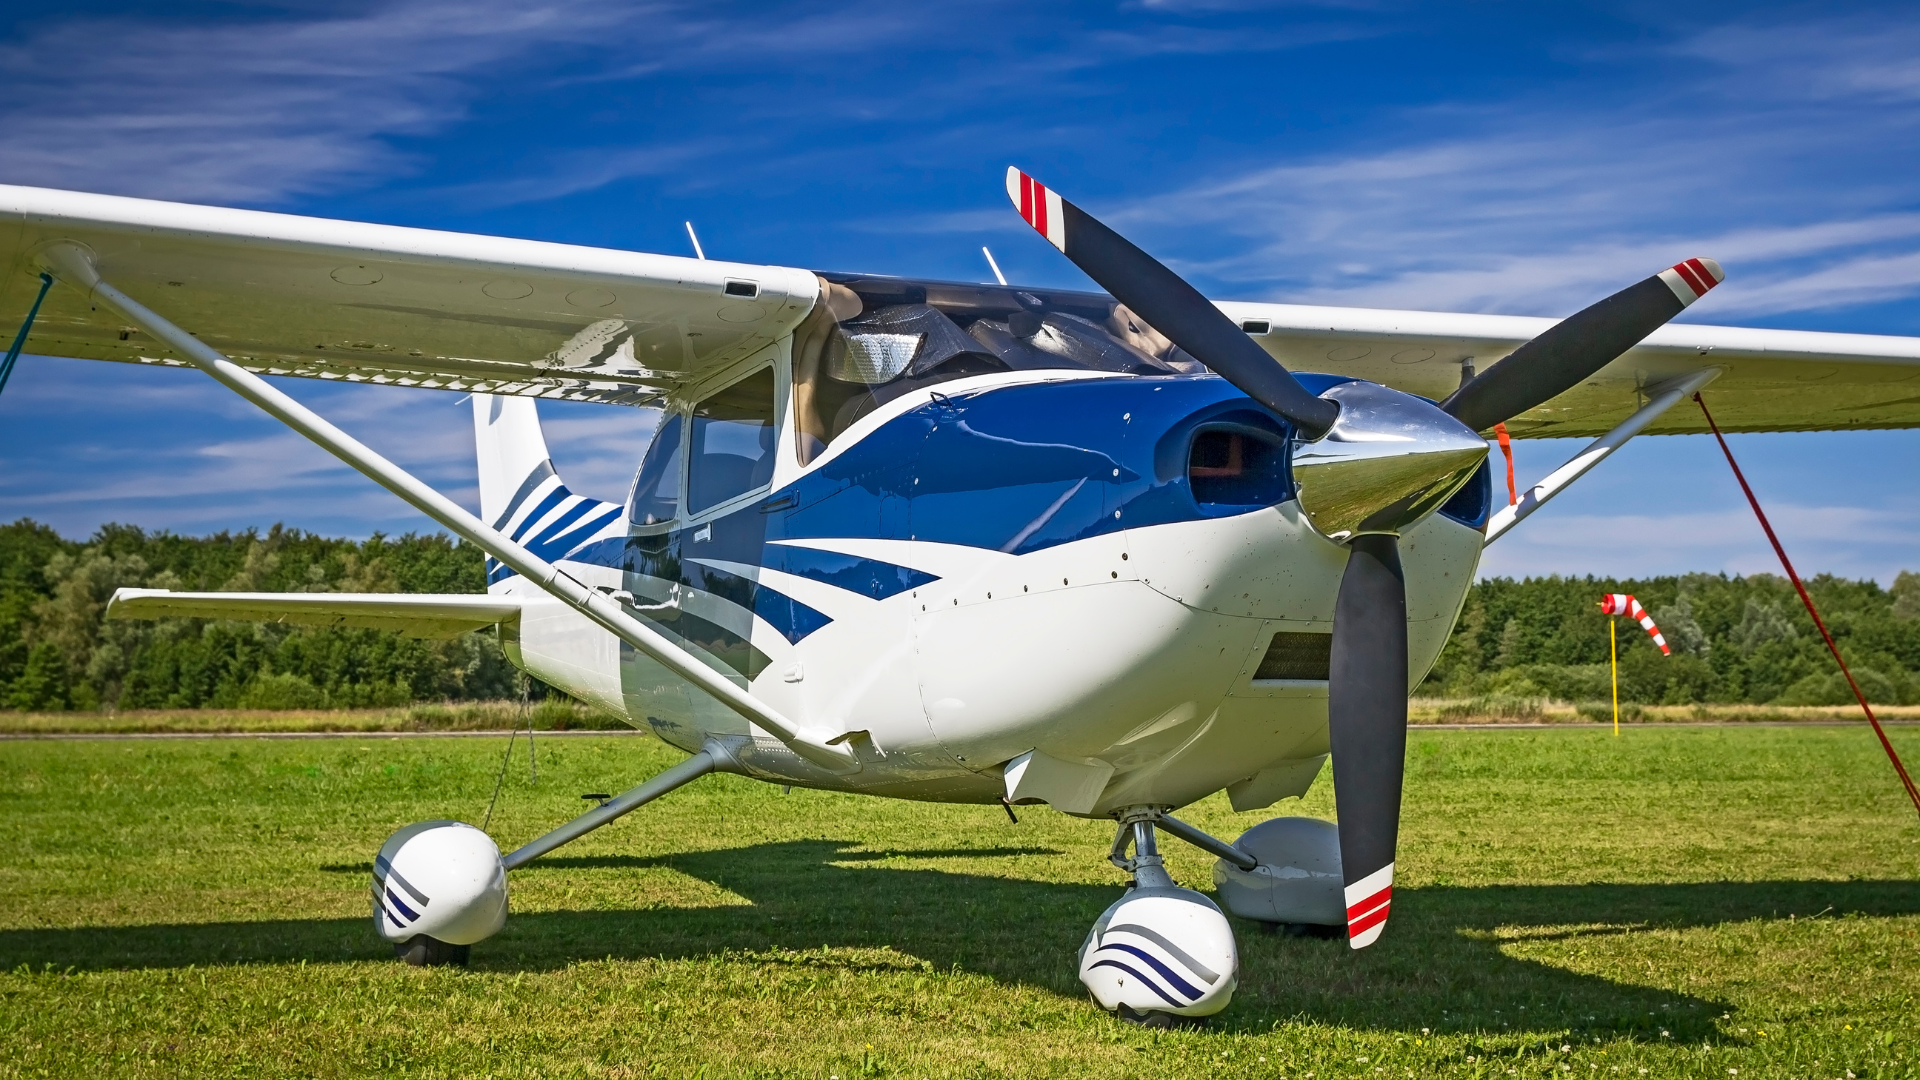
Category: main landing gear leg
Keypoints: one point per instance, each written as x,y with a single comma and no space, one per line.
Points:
1161,955
440,886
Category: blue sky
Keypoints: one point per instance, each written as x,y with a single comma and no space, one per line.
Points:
1501,157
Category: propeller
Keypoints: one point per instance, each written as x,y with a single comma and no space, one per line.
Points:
1579,345
1167,303
1367,726
1370,462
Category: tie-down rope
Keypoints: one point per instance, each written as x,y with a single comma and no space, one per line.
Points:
20,339
1912,792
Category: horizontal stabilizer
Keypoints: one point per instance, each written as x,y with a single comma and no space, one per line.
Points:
420,615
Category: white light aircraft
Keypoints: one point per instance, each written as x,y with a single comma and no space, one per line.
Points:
948,542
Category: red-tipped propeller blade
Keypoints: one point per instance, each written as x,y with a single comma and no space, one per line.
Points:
1580,344
1167,303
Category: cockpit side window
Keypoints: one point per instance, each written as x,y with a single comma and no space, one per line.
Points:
732,444
656,488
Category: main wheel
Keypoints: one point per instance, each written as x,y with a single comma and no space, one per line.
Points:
423,951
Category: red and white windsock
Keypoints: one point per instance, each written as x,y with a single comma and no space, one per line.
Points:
1622,604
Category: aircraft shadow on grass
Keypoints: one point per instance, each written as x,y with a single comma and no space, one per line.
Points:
1441,965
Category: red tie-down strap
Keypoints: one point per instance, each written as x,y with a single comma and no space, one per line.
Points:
1786,564
1506,451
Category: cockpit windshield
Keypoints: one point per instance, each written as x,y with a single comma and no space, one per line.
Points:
874,339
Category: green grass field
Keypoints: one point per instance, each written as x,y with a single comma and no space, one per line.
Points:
1674,902
561,713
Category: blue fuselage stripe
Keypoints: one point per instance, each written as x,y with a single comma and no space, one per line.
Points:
559,524
554,498
1017,468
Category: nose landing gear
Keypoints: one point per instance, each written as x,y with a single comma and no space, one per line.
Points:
1161,955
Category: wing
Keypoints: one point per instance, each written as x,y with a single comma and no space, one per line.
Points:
286,295
1774,380
422,615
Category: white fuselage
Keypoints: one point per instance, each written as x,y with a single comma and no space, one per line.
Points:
1128,658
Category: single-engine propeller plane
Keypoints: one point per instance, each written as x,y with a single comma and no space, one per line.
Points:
1110,552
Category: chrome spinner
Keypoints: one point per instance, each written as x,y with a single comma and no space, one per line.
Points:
1388,461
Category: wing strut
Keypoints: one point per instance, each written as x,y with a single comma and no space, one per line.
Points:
1660,398
74,264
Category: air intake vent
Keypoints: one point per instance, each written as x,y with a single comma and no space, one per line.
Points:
1296,656
1234,468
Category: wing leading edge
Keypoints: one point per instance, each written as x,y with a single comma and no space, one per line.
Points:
288,295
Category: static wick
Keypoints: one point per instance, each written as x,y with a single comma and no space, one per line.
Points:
998,276
691,235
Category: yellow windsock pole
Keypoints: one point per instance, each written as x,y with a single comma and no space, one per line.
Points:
1613,655
1613,652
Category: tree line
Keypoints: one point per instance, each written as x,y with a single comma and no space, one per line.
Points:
58,652
1734,639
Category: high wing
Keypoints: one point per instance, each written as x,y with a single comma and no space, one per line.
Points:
287,295
1773,380
420,615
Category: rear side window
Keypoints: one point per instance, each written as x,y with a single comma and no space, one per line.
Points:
656,489
732,442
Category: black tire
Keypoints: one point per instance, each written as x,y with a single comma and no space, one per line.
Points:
423,951
1306,930
1159,1021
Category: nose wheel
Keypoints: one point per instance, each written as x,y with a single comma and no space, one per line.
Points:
423,951
1161,956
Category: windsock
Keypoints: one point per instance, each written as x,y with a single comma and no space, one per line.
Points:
1622,604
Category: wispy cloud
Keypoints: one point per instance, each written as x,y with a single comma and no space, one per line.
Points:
569,172
1539,208
1852,541
256,111
1835,59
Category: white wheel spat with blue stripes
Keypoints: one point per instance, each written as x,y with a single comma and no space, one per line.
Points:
442,879
1161,951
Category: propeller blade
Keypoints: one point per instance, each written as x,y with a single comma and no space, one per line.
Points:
1167,303
1367,726
1580,345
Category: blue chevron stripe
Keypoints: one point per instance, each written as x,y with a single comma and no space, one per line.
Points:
554,498
560,546
1148,983
400,907
560,523
1167,973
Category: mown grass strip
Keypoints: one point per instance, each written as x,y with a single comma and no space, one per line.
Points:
1685,901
